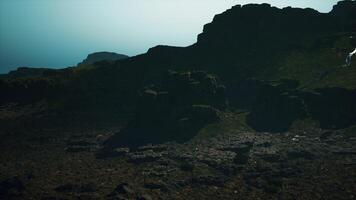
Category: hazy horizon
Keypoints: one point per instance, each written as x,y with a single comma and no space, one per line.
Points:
56,34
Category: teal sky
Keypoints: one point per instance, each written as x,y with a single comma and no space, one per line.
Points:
60,33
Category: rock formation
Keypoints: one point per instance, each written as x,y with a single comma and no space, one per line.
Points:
174,107
100,56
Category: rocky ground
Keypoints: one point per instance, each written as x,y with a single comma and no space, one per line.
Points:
52,164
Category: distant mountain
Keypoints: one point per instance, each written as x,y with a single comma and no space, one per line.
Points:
100,56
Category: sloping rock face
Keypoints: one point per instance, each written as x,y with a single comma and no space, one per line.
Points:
100,56
173,108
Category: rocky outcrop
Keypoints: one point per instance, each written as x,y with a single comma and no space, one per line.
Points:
346,10
334,108
271,108
274,108
257,26
175,106
74,188
100,56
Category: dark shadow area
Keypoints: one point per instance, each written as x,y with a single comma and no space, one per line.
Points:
164,125
275,108
173,107
334,108
272,108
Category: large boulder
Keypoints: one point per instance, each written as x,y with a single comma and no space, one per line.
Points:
174,107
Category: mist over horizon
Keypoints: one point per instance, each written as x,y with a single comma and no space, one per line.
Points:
57,34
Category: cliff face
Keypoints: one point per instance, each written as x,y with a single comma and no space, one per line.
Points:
253,38
345,9
255,41
257,25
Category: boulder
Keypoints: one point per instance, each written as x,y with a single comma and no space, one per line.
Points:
173,108
144,156
208,180
75,188
156,185
122,191
144,197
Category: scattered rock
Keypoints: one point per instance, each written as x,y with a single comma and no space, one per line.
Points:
122,189
241,159
81,145
154,148
271,157
239,148
187,166
121,151
52,198
74,188
289,172
159,170
76,149
144,156
326,135
208,180
300,154
156,185
265,144
345,152
144,197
